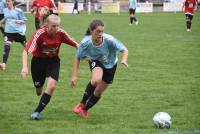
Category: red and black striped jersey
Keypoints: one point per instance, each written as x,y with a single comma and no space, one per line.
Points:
42,44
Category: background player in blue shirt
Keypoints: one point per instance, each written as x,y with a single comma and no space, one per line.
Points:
132,9
15,28
2,6
100,50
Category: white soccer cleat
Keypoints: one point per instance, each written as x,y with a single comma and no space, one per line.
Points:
136,23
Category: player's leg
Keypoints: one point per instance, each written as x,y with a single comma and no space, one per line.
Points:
7,45
134,18
97,74
188,21
52,72
108,76
131,16
38,72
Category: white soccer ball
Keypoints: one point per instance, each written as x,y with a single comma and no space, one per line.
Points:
162,120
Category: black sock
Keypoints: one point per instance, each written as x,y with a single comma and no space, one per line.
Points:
6,53
188,23
91,102
43,102
131,20
88,92
134,19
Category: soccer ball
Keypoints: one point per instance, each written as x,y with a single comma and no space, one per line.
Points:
162,120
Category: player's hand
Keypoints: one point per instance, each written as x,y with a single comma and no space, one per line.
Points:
19,21
74,81
124,63
24,73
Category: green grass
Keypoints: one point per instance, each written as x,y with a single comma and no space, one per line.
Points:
163,75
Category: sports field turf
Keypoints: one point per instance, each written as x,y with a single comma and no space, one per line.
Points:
163,75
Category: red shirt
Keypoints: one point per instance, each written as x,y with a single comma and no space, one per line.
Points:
42,3
42,44
189,6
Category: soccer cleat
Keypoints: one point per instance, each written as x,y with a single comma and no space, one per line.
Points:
2,66
38,91
83,114
35,116
130,24
136,23
77,109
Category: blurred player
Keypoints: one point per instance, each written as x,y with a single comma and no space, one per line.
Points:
44,46
2,6
132,9
75,6
15,28
100,50
189,7
40,8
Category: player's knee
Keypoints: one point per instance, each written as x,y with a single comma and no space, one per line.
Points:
96,81
52,85
7,43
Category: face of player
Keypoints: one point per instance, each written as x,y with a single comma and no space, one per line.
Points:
53,26
9,4
97,35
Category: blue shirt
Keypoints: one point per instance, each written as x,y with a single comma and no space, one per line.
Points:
2,6
10,17
104,53
133,4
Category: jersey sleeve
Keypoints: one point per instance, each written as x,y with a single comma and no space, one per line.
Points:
53,6
67,39
21,15
31,45
118,45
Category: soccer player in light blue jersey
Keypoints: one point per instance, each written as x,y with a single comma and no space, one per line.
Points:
2,6
132,9
99,49
15,28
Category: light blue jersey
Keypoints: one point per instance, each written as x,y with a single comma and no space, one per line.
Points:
10,17
105,53
133,4
2,6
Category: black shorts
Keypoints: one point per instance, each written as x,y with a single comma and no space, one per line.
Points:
108,74
131,11
44,67
189,16
15,37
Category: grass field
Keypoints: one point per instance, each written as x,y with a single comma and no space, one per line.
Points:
163,75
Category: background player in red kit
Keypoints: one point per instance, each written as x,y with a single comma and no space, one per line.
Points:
189,7
41,7
44,46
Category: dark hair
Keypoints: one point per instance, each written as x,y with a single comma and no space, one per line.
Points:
93,25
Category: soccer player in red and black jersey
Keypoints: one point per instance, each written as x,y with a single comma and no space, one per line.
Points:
41,7
44,46
189,7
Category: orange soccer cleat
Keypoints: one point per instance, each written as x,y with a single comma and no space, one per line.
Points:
77,109
83,114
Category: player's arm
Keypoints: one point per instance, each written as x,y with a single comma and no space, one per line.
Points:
24,71
75,72
69,40
124,59
2,21
119,46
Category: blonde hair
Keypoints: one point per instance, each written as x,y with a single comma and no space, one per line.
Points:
53,17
